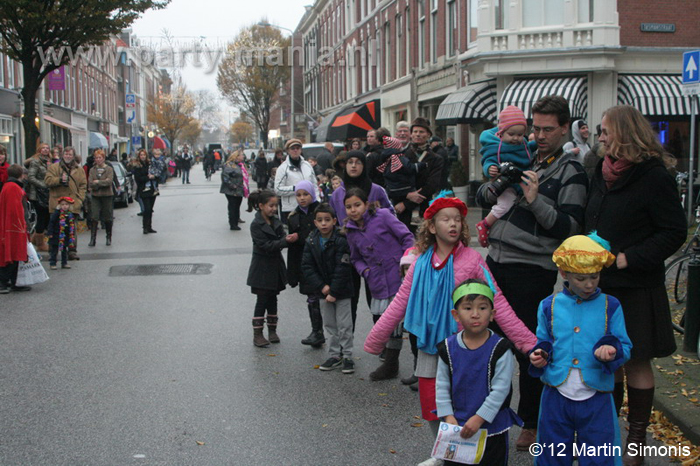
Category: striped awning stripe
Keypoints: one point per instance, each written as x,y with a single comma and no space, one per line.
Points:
475,103
523,93
653,95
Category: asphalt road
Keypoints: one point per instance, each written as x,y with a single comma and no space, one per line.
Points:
160,370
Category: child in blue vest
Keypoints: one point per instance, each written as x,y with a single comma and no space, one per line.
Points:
581,342
475,369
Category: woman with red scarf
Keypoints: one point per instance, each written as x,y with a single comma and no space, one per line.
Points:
633,203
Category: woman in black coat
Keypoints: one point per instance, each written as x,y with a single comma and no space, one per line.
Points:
267,275
262,175
145,189
633,203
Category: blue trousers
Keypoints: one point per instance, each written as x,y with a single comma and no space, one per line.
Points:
592,422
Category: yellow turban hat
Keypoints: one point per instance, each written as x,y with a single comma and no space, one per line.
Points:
583,254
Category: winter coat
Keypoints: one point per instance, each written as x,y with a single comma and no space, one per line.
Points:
260,167
578,141
330,266
104,177
267,270
376,196
186,161
642,216
377,248
141,178
232,180
288,175
13,224
467,263
303,224
374,156
3,173
38,166
75,187
429,181
158,166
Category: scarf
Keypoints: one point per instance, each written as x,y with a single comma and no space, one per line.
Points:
246,188
428,312
66,219
614,169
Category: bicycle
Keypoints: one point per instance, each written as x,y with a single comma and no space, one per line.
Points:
677,277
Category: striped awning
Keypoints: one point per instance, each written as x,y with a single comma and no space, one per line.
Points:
475,103
653,95
523,93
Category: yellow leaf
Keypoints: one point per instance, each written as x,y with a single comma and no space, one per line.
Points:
382,394
684,392
694,400
316,366
199,443
324,425
417,424
271,355
416,417
393,452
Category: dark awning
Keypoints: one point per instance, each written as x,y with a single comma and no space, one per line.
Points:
653,95
523,93
351,122
475,103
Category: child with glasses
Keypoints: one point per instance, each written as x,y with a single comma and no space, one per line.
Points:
505,143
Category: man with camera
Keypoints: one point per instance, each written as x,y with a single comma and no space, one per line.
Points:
549,210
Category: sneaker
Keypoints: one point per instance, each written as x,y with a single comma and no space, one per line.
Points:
348,366
20,288
53,267
65,266
4,289
330,364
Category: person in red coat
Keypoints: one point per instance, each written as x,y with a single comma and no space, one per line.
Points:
3,166
13,230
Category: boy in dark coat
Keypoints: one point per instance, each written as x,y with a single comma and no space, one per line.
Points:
61,232
301,221
326,266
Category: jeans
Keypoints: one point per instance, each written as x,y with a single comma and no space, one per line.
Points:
234,209
53,254
185,175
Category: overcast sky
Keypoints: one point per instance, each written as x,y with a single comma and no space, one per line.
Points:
214,22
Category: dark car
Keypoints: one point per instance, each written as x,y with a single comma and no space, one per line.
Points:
124,195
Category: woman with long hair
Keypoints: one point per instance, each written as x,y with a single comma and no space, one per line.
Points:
146,188
634,204
234,184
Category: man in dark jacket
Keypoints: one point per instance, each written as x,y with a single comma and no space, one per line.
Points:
550,210
373,150
326,266
436,146
185,165
452,150
429,180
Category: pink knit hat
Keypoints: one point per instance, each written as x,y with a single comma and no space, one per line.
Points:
391,143
510,116
409,257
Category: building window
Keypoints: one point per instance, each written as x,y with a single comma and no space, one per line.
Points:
473,19
433,33
421,34
538,13
408,40
387,52
2,69
451,28
500,12
585,11
378,59
398,24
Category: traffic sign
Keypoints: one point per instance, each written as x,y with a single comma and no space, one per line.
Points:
130,100
130,115
691,67
136,140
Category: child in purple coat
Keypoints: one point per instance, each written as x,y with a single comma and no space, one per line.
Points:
377,242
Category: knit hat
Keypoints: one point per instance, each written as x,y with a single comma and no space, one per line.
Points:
307,186
356,154
583,254
510,116
66,199
423,123
392,143
409,257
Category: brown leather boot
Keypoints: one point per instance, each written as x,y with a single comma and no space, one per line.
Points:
639,401
389,368
272,329
259,339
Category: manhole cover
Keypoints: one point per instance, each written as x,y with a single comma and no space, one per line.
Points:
159,269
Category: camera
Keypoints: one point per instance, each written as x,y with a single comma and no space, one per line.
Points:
508,174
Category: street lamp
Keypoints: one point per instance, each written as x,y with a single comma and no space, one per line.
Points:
263,24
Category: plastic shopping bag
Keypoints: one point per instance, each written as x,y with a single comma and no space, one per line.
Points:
31,272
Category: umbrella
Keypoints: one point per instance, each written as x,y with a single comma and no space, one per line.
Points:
351,122
158,143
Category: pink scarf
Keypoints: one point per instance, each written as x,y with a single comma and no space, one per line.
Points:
614,169
246,188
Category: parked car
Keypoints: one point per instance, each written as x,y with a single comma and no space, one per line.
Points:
124,195
314,149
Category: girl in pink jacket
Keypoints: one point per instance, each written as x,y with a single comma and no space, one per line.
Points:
424,298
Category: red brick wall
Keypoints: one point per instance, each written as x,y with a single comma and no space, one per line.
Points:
685,14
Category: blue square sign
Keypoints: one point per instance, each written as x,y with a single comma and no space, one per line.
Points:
691,67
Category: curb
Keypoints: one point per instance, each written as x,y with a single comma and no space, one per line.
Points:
687,420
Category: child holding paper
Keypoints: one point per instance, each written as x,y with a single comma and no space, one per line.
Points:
475,368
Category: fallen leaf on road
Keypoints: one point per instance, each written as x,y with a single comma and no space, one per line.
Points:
393,452
316,366
271,355
416,417
199,443
382,394
417,424
324,425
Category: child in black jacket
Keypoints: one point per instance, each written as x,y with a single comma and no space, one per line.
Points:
326,266
61,233
301,221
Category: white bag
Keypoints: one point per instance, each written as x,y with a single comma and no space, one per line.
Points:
31,272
